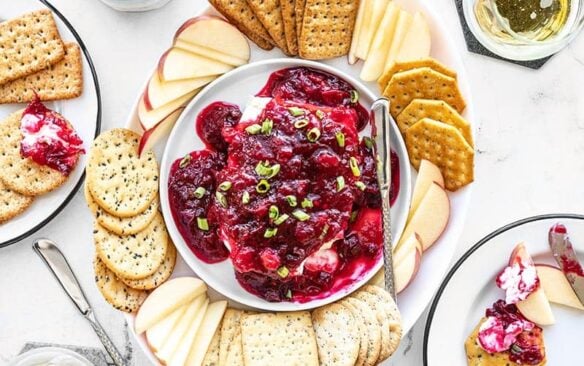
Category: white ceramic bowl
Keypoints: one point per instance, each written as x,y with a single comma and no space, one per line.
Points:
249,79
50,356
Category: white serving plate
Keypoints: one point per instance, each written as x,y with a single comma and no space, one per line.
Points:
470,288
83,112
436,261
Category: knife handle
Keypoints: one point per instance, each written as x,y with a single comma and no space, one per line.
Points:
106,341
387,247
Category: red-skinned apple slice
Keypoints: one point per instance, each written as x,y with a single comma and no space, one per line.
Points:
427,173
412,243
520,255
178,64
214,34
407,268
150,118
163,128
556,287
159,93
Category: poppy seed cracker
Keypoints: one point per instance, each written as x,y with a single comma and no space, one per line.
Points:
337,335
161,274
12,203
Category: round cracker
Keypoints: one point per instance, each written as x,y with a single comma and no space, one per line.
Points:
373,329
12,203
337,335
20,174
363,333
391,313
133,256
122,182
114,291
120,225
372,301
162,273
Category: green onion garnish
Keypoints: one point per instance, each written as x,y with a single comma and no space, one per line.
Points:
340,138
360,185
306,203
270,232
263,186
275,170
202,223
199,192
320,114
301,123
283,271
300,215
185,161
221,198
353,216
295,111
273,212
324,231
313,134
225,186
368,142
267,126
281,219
263,168
253,129
354,164
354,96
291,200
245,198
289,294
340,183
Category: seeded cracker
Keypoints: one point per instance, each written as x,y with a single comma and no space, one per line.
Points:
212,355
337,335
235,353
361,330
240,14
19,174
161,274
416,64
327,28
133,256
114,291
289,18
121,182
29,44
12,203
279,339
391,313
269,14
422,83
444,146
372,326
63,80
229,329
372,301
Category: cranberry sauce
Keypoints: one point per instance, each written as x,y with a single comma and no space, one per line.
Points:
211,121
48,139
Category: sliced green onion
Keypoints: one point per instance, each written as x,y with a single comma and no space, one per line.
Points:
270,232
306,203
340,183
360,185
267,126
320,114
291,200
281,219
185,161
354,96
301,123
202,223
273,212
221,198
289,294
353,216
225,186
200,192
275,170
340,138
283,271
325,230
300,215
354,164
253,129
295,111
368,142
313,134
263,186
245,198
263,168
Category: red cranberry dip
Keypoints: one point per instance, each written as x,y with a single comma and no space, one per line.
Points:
48,139
286,189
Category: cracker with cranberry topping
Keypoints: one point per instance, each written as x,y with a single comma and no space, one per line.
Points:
161,274
133,256
414,64
279,339
372,327
12,203
20,174
120,180
337,335
115,292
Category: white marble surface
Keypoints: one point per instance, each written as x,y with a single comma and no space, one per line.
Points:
530,142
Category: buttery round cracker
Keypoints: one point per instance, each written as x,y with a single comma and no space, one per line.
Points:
121,182
12,203
133,256
161,274
362,330
337,335
120,225
445,147
372,327
20,174
391,313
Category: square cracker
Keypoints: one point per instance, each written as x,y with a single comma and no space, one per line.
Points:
279,339
415,64
29,44
240,15
63,80
327,28
212,355
289,19
269,12
229,329
299,10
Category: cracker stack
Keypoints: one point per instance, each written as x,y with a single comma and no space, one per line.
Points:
134,252
34,59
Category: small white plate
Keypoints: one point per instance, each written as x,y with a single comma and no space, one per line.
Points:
469,289
83,112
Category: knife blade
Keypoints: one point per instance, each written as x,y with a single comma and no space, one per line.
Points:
380,133
565,255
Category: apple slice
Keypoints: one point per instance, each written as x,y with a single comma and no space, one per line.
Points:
206,332
178,64
159,93
427,173
407,268
417,42
182,352
170,296
431,216
153,135
408,243
401,29
215,38
373,66
351,57
520,255
159,332
179,332
536,308
150,118
371,21
556,287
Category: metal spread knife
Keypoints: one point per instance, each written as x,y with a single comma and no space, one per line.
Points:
380,133
566,257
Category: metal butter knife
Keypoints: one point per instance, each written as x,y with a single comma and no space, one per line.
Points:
58,265
566,257
380,133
